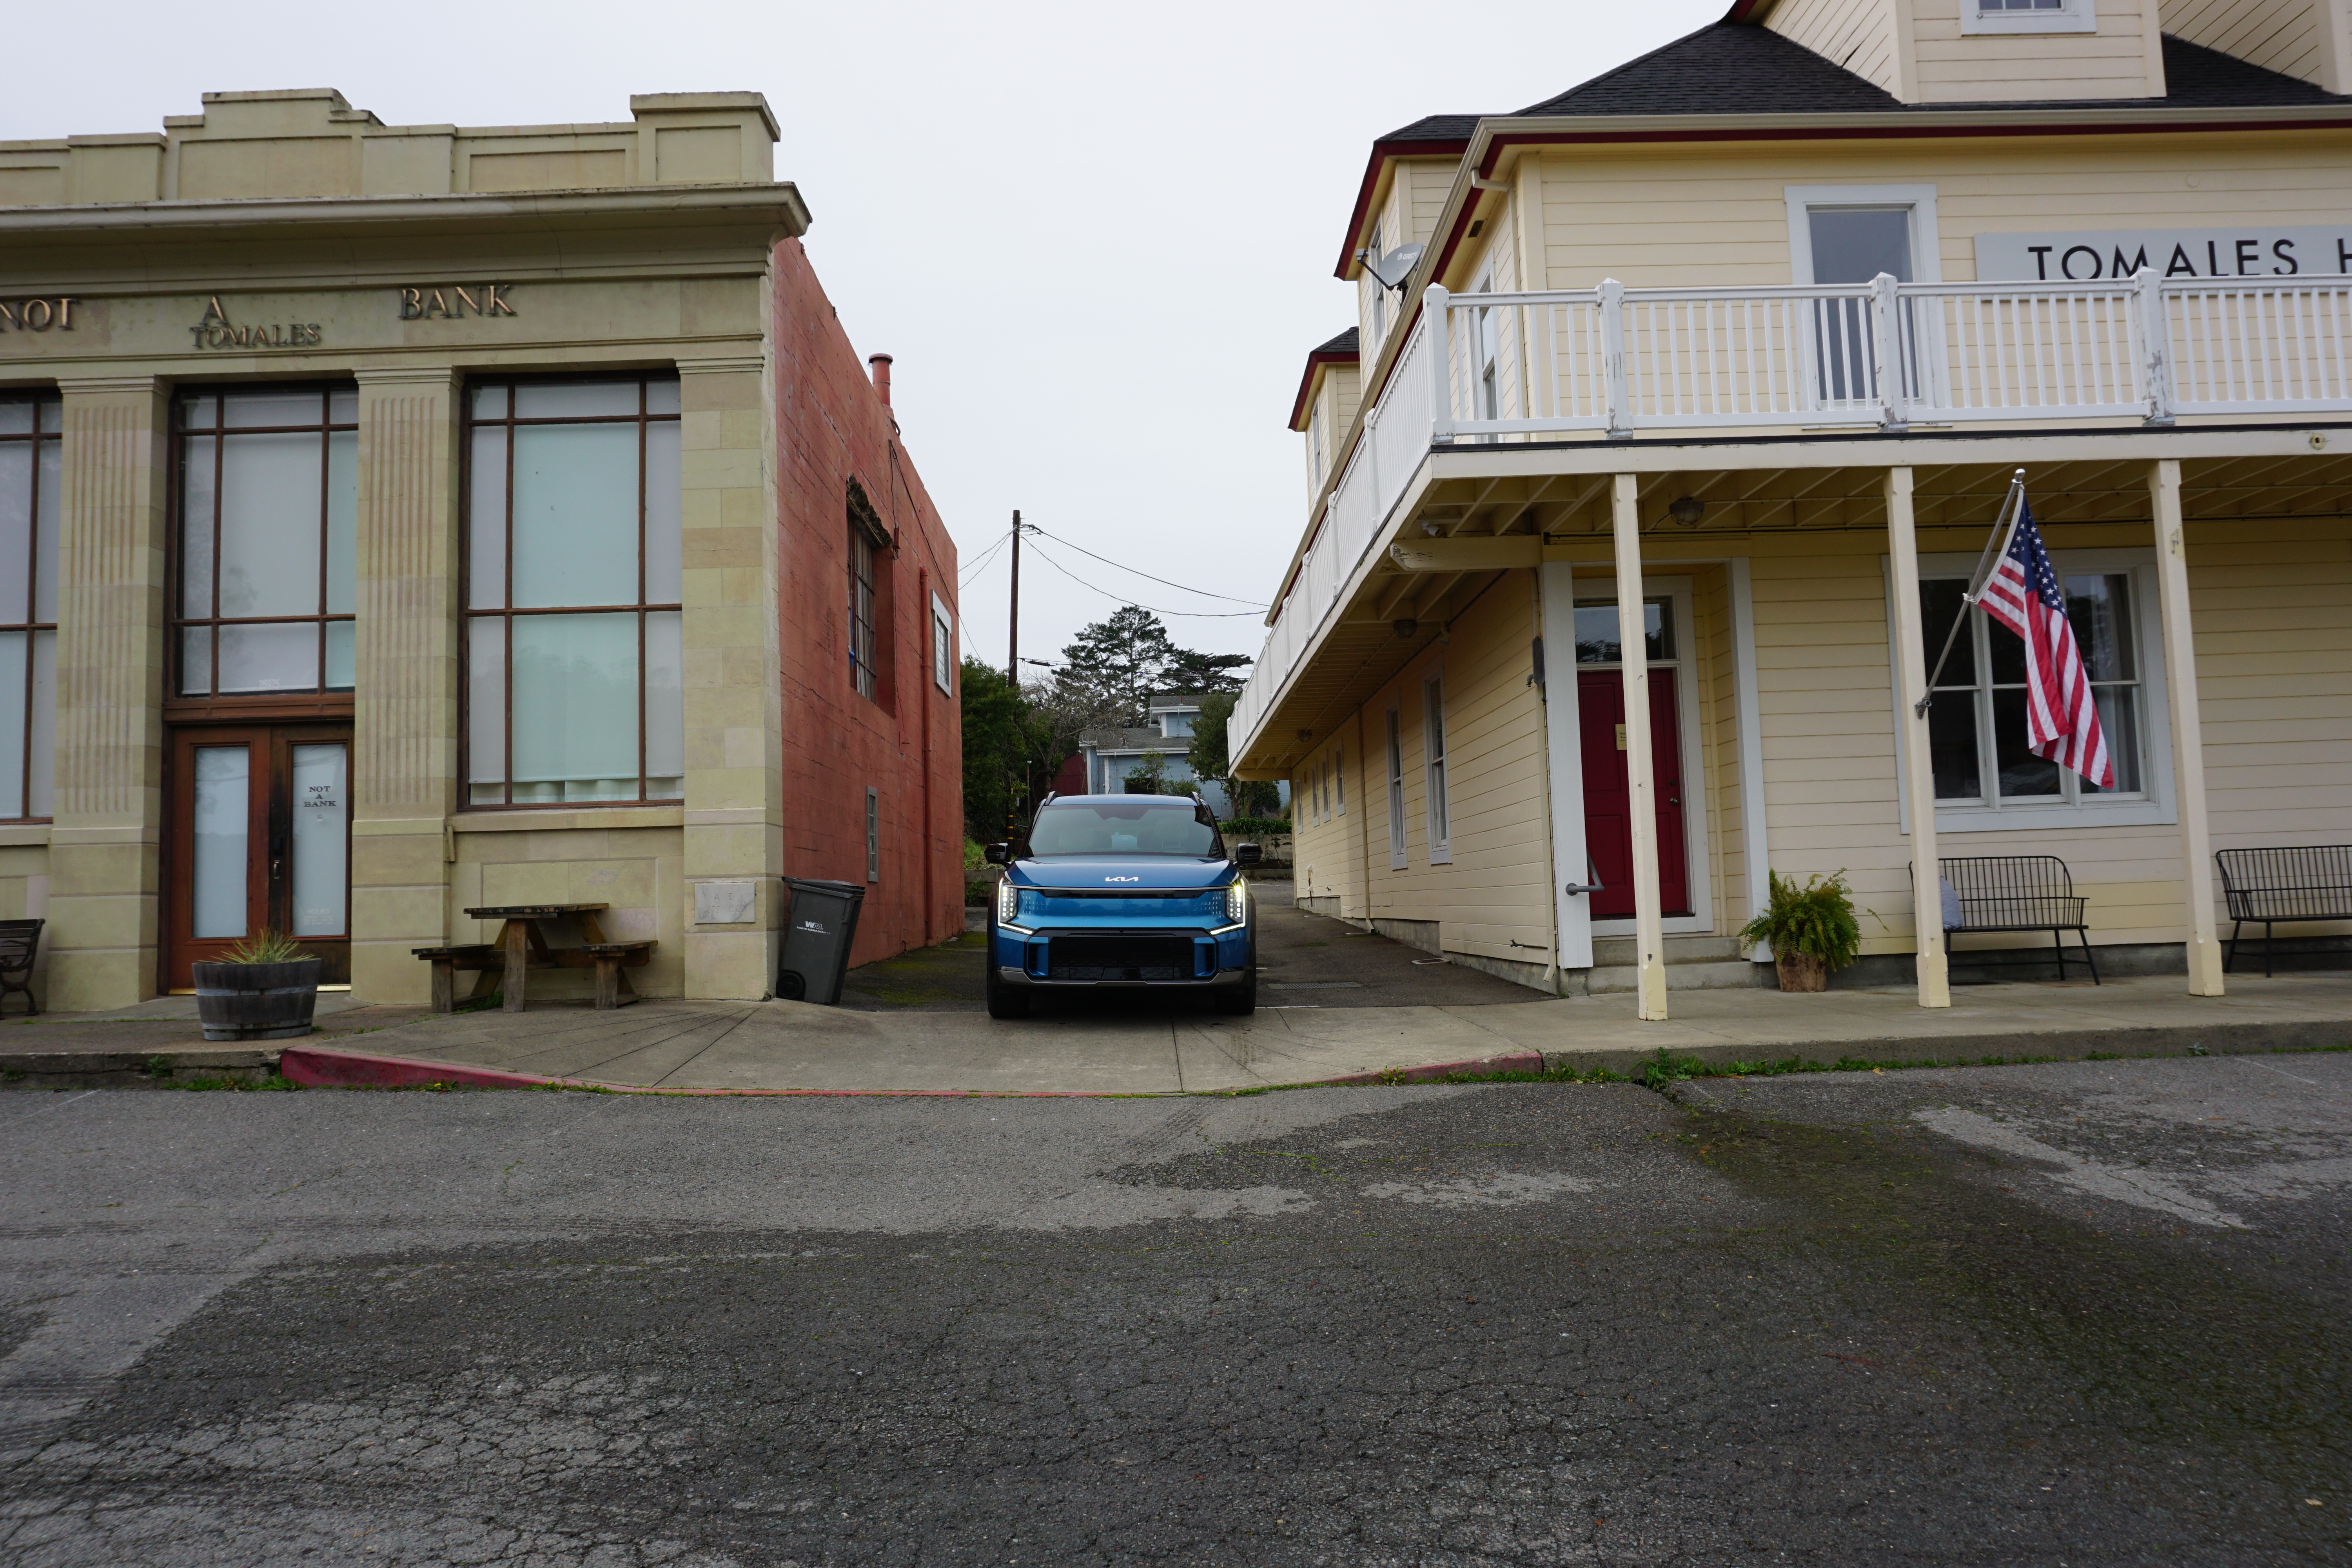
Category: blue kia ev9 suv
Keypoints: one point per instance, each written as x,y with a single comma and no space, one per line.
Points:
1133,891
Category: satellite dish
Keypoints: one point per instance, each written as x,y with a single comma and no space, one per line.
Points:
1394,267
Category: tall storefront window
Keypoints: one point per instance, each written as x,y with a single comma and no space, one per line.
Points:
573,644
268,540
28,604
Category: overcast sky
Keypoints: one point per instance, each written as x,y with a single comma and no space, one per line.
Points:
1098,237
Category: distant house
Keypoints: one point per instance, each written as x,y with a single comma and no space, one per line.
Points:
1107,757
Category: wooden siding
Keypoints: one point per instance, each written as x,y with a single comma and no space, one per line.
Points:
1863,36
2283,35
1668,218
2122,59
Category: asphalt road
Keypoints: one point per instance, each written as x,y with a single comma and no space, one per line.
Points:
1302,960
2081,1314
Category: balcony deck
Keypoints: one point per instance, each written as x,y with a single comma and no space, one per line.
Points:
1502,416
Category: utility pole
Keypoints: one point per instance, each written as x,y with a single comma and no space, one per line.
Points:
1013,675
1012,651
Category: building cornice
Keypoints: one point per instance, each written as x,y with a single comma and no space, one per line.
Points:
775,207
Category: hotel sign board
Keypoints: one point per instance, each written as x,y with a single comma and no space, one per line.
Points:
2258,250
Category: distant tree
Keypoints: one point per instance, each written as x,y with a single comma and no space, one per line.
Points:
1115,664
1206,754
1207,672
995,743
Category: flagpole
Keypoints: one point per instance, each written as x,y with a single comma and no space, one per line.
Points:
2003,527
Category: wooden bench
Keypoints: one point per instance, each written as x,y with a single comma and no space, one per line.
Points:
2016,893
612,987
2271,887
447,961
19,941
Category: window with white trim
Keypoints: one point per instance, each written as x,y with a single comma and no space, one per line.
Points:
943,662
2029,17
1396,795
1985,778
1441,830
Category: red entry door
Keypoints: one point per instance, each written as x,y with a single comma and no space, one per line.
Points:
1608,816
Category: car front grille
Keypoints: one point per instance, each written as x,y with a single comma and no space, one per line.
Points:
1118,957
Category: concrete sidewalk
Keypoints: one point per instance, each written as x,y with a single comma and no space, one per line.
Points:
1106,1049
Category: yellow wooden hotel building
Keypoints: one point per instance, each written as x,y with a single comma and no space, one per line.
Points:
1744,341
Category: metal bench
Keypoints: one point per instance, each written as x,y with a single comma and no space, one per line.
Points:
2273,887
19,941
2017,893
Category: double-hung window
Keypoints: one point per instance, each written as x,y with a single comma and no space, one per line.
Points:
2029,17
29,517
575,642
1441,828
1984,773
268,540
1396,795
867,538
942,647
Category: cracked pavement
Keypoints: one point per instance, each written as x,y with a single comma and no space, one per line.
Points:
2078,1315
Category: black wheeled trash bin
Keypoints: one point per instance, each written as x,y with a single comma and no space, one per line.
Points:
817,934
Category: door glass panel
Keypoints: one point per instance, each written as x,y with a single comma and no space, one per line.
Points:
322,812
223,782
270,525
575,514
575,708
283,656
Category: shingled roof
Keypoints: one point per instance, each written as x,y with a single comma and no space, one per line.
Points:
1345,343
1732,67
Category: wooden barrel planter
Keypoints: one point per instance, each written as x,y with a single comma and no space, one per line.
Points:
257,1001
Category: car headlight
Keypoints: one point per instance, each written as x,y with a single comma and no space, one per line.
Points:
1008,900
1237,902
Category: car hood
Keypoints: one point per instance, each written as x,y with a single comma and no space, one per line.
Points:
1112,872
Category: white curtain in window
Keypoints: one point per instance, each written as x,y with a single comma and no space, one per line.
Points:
575,708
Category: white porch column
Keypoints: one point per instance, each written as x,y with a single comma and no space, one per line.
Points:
2187,740
1564,756
1918,765
1642,787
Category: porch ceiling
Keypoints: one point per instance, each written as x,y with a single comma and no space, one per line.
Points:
1567,513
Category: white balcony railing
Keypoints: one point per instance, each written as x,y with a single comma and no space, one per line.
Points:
1482,369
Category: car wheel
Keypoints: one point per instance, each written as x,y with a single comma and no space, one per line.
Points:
1003,1000
1242,1000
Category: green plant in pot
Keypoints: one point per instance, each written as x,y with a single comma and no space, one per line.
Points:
1810,929
264,988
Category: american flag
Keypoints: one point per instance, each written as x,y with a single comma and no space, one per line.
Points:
2025,594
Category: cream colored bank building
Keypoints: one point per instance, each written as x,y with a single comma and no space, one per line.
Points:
390,524
1742,343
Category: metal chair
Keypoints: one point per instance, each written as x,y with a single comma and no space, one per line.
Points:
19,941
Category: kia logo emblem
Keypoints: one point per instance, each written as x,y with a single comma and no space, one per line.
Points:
1122,878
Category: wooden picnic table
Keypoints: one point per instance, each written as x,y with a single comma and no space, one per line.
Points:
526,945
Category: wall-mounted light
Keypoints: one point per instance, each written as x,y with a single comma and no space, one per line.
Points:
1407,628
1687,511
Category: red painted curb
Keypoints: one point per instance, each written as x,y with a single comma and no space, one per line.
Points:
315,1067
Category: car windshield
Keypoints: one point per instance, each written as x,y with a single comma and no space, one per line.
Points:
1118,827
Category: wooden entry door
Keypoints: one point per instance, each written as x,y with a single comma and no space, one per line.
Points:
260,839
1608,816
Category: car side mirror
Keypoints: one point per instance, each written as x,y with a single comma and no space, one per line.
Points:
998,854
1248,854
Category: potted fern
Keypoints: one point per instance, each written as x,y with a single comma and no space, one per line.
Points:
264,988
1810,929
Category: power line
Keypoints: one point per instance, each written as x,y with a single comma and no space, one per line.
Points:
1162,581
977,567
1192,614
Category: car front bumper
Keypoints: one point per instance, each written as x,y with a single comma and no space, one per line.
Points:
1213,960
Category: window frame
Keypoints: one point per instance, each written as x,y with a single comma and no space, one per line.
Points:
1927,258
2154,804
1436,801
46,428
1398,851
873,835
2066,16
943,662
865,578
177,623
508,612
